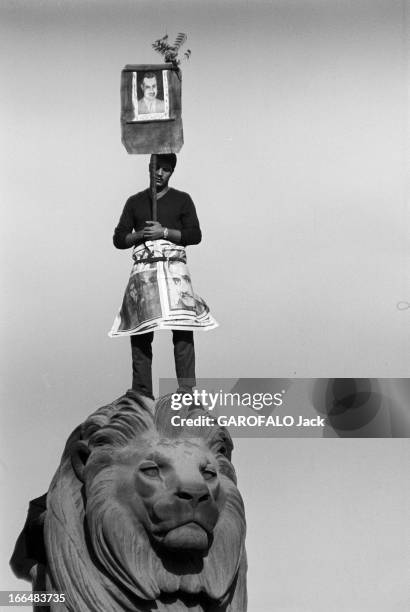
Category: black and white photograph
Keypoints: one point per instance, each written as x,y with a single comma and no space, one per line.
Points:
146,465
141,300
150,95
180,292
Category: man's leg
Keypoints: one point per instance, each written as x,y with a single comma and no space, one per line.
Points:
184,354
141,349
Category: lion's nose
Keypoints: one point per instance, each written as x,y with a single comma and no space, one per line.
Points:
193,495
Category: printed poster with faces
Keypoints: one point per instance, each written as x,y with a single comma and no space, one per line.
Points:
159,293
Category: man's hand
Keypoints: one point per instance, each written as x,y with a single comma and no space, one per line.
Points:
153,230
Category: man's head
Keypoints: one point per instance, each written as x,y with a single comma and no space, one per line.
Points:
166,163
149,86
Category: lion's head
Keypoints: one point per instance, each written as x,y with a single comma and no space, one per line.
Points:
144,515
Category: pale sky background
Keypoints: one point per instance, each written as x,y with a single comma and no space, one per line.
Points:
296,154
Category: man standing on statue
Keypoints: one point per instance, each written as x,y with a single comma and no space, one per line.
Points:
147,303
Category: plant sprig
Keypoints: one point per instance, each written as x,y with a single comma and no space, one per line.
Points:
170,52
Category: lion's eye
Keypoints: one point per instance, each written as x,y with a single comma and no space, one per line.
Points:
150,469
209,473
222,450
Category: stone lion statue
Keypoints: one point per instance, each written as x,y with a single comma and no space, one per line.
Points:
143,515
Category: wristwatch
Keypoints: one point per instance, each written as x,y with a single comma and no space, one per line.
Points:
165,233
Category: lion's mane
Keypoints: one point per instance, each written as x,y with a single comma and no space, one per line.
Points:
103,559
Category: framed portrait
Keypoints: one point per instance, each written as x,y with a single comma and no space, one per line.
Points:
151,120
150,95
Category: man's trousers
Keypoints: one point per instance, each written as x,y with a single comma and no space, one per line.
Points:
184,354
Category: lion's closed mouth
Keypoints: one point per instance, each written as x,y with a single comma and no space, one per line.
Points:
207,523
190,535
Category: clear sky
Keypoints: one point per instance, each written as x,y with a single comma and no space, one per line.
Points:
296,155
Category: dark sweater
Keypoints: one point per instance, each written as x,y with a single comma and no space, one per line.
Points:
176,210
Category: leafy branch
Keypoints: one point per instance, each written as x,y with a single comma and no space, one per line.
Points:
170,52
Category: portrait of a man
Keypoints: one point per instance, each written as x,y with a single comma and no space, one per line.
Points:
150,97
150,103
141,301
180,292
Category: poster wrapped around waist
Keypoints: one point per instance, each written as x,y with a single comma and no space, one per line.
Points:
159,293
